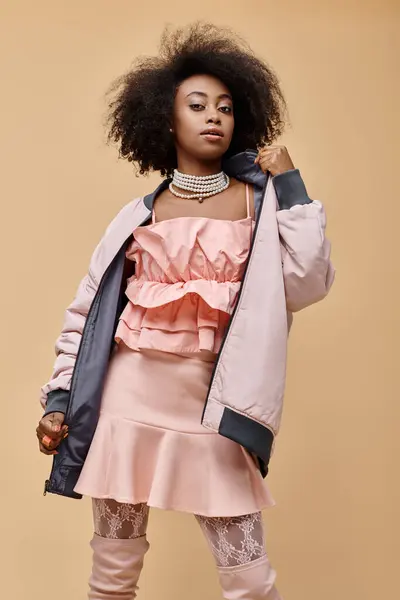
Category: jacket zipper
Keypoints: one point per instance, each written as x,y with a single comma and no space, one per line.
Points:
227,332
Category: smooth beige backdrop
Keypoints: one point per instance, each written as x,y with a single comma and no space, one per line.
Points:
335,532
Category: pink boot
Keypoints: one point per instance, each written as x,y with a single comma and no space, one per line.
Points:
253,581
116,567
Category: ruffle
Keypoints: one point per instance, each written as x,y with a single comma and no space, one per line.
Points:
184,326
220,295
189,248
171,470
181,318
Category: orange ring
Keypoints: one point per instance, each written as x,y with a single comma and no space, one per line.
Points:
46,441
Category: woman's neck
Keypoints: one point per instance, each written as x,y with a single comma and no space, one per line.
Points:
192,167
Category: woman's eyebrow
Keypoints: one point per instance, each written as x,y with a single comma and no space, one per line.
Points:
204,95
197,94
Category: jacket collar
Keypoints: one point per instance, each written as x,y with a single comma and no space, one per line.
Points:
240,166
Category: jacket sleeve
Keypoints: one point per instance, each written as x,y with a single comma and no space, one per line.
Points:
307,269
54,395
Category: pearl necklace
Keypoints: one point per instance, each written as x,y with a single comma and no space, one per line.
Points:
202,187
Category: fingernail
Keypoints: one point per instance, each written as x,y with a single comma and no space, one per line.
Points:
66,435
46,441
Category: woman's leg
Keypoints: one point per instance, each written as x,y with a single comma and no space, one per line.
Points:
238,546
119,545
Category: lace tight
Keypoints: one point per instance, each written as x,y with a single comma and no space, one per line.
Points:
119,521
232,540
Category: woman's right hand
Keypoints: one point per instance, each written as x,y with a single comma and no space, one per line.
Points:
50,432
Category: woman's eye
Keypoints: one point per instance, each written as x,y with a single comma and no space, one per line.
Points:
226,109
197,106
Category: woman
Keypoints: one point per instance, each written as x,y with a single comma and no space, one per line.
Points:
192,288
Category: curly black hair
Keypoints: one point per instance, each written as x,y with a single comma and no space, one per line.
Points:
141,103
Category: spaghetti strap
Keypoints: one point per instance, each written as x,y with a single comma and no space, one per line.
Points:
153,216
248,200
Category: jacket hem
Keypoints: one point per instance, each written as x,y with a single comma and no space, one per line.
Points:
64,482
254,437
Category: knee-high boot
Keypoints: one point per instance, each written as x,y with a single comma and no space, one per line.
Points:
117,565
252,581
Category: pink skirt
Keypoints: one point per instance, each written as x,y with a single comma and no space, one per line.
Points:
150,447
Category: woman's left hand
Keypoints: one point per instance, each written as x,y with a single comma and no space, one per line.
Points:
275,159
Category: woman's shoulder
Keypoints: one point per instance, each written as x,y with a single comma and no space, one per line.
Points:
117,233
129,217
128,213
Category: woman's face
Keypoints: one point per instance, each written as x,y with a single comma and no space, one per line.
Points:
203,120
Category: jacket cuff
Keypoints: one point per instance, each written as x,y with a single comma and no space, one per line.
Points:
57,401
290,189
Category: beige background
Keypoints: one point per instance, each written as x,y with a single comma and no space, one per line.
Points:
335,532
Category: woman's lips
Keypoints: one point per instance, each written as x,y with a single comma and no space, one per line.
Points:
212,135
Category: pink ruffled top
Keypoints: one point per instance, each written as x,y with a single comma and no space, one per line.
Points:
187,277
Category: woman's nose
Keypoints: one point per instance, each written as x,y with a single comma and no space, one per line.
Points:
213,116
